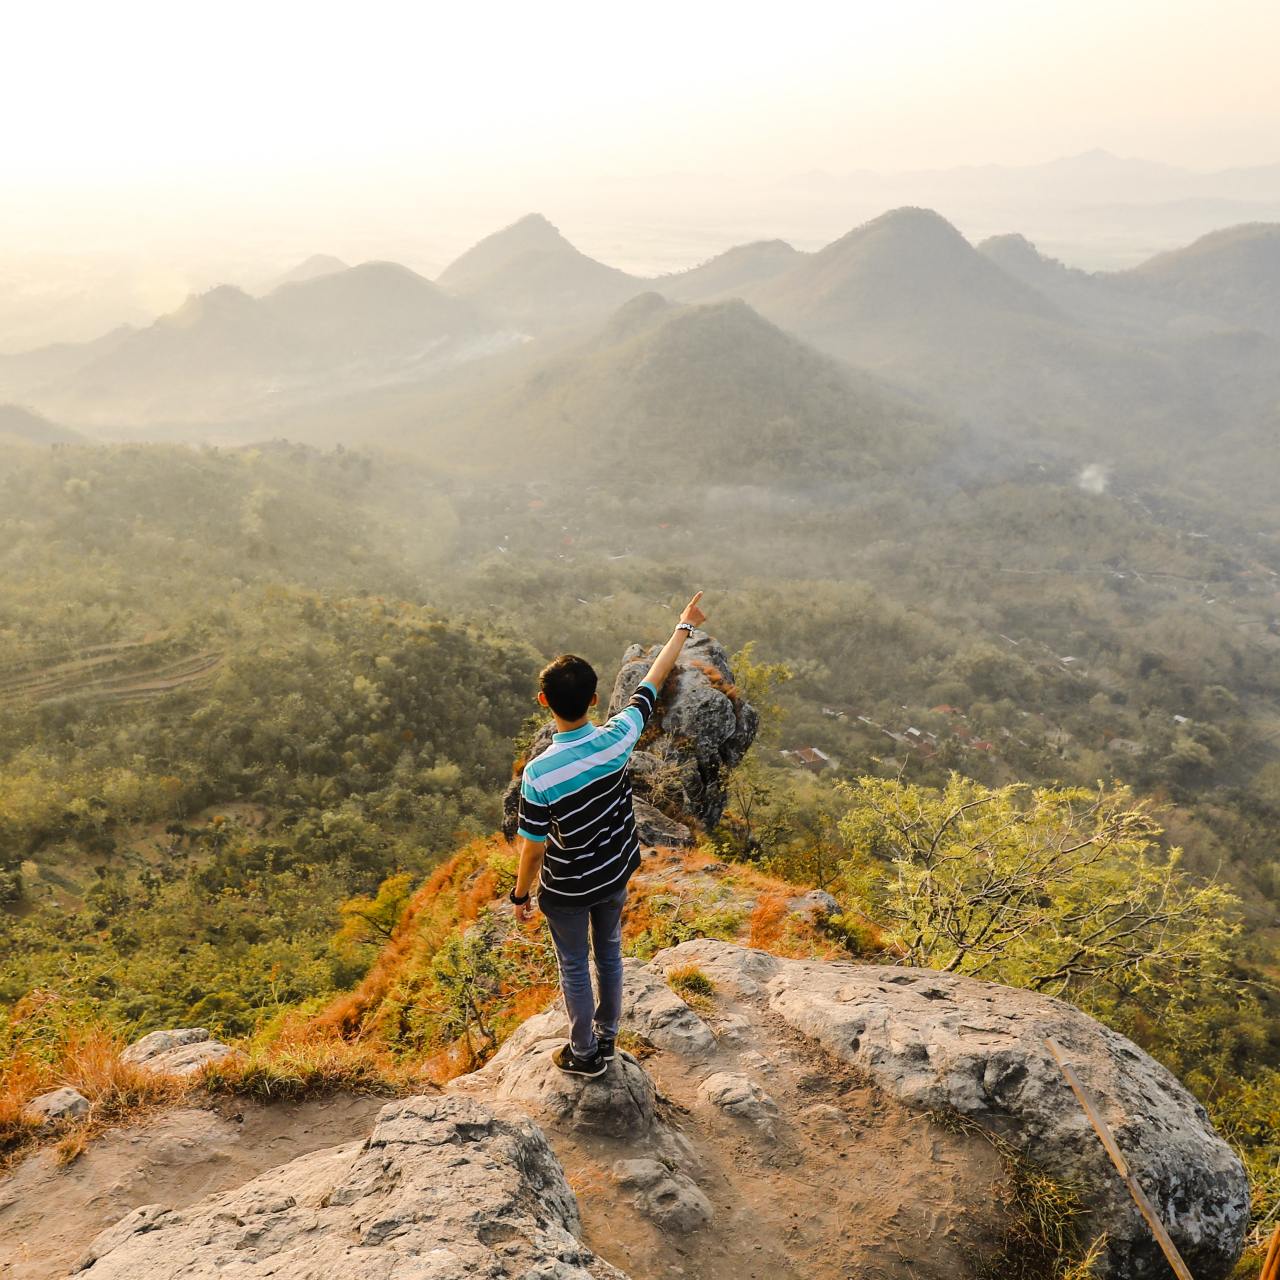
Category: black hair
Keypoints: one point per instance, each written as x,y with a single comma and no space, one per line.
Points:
569,683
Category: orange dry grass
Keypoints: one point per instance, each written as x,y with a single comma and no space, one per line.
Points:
768,921
87,1059
301,1062
449,898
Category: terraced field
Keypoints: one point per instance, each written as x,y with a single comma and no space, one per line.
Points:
127,671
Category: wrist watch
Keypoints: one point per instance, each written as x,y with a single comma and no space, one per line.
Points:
518,900
685,626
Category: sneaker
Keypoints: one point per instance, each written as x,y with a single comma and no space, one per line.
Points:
608,1047
569,1062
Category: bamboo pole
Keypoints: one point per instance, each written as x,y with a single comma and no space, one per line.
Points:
1147,1209
1271,1267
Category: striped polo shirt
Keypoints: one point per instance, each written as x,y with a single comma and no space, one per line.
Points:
576,796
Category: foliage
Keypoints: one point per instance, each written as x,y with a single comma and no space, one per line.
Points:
690,980
1050,888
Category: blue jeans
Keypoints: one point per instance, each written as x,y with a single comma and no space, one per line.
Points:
577,934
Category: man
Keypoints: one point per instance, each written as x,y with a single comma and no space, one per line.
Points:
577,841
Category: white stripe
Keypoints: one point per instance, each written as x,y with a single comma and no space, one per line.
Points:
575,767
582,875
587,803
586,826
556,748
602,838
582,893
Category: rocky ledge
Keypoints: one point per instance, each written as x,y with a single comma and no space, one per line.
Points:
442,1188
750,1130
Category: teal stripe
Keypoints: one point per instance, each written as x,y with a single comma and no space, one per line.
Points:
579,780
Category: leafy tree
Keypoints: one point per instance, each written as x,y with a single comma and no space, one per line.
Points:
1057,889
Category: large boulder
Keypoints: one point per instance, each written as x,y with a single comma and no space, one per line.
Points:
942,1042
702,729
442,1188
179,1052
619,1104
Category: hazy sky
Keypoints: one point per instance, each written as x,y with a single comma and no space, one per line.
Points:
111,95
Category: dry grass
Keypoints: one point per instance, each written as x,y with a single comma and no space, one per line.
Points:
452,896
87,1059
693,986
297,1067
1042,1238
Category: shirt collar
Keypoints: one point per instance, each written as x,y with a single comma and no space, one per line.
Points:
572,735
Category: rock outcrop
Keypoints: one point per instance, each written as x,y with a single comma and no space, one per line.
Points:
799,1098
57,1106
702,729
443,1188
180,1052
938,1041
705,727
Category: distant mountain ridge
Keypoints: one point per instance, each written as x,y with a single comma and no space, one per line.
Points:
530,274
1233,274
318,264
226,352
715,388
22,427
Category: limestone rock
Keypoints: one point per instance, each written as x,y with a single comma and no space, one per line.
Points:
940,1041
442,1188
740,971
664,1195
59,1105
817,904
739,1095
179,1052
618,1104
656,830
652,1009
705,726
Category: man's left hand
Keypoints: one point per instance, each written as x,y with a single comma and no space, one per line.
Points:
525,910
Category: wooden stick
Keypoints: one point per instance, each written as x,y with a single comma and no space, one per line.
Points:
1163,1239
1271,1266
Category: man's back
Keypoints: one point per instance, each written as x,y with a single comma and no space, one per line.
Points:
576,797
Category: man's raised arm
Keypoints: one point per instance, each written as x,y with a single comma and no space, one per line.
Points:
662,664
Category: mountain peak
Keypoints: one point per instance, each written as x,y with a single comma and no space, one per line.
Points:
222,302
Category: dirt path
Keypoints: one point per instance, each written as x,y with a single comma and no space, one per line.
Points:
845,1182
48,1215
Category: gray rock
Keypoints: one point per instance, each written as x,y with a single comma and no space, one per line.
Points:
658,831
443,1188
935,1040
703,732
58,1105
180,1052
739,1095
157,1042
618,1104
652,1009
665,1196
817,904
739,971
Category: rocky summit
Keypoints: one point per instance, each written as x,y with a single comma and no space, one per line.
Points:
703,728
738,1136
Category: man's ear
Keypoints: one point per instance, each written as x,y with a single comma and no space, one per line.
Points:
595,698
542,698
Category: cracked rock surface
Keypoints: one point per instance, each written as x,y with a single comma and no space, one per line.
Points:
442,1189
